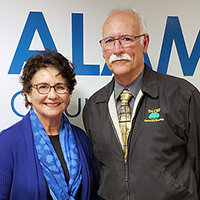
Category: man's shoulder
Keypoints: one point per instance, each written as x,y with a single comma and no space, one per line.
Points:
103,93
174,81
168,80
156,84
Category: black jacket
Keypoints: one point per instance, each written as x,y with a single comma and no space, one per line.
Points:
163,145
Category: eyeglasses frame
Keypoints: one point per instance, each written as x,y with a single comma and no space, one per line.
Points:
51,86
135,37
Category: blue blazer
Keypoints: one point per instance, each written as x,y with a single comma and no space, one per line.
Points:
21,175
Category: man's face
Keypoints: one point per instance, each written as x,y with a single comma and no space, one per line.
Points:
119,24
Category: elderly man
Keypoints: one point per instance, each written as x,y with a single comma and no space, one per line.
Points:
144,126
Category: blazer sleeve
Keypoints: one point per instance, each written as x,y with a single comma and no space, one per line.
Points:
5,167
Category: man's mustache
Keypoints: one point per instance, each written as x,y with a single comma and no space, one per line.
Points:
124,56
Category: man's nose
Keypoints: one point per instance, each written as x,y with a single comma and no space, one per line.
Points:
118,48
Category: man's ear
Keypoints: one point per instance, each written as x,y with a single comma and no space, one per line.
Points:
145,43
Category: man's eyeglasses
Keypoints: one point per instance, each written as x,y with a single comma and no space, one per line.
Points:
125,40
44,88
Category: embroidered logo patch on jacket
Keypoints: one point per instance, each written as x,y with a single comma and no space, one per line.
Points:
154,115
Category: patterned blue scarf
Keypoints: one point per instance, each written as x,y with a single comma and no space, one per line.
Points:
50,162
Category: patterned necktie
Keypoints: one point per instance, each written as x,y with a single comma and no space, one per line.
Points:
124,118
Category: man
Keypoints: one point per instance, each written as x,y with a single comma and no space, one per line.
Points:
158,156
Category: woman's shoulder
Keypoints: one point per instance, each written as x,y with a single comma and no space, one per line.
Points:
11,130
78,131
16,129
80,135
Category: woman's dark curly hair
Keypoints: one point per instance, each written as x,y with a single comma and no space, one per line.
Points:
45,59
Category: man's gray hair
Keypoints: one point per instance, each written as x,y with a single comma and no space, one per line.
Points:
143,25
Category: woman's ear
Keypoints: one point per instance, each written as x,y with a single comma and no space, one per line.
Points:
28,97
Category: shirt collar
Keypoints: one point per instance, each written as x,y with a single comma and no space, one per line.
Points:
134,87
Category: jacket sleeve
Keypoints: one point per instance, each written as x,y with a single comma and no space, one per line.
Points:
84,115
193,145
87,119
95,182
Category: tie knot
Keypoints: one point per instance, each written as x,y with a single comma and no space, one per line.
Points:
125,96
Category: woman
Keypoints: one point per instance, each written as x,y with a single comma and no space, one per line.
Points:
44,156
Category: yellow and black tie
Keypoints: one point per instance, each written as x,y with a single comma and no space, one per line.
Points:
124,118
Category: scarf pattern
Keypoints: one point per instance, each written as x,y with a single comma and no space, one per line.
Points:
50,162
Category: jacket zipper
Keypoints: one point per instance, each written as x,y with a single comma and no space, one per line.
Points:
137,103
125,159
126,171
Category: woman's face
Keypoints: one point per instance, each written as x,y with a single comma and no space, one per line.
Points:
48,106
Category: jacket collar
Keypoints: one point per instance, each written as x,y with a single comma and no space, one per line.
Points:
105,93
149,86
